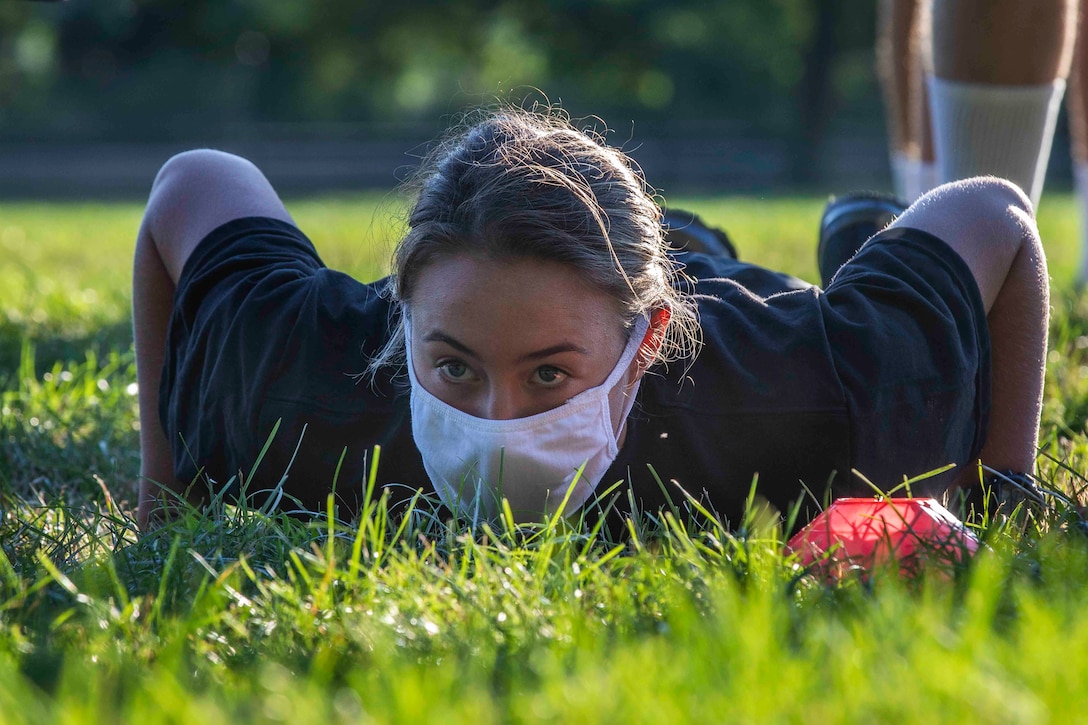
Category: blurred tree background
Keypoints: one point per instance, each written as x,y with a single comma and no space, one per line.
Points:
796,71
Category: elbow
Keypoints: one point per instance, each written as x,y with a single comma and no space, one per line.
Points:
183,182
989,198
987,210
1003,194
189,167
988,221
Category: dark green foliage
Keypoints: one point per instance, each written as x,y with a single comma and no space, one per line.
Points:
182,68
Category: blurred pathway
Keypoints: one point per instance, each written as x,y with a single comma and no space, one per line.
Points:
692,160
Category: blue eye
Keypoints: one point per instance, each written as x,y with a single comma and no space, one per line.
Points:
454,370
550,376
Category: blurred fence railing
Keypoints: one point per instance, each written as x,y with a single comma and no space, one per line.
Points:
691,162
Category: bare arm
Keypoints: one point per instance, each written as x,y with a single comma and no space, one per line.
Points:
991,224
194,193
197,191
899,69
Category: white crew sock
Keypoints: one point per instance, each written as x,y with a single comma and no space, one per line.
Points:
1080,189
911,176
1005,131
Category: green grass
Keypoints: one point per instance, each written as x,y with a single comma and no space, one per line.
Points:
235,614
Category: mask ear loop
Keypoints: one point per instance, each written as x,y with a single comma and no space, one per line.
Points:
634,344
408,354
407,327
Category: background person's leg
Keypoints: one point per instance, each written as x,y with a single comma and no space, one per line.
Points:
996,80
900,71
1078,132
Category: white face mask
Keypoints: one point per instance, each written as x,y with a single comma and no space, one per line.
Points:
474,462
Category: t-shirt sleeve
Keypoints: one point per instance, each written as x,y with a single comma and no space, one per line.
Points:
264,337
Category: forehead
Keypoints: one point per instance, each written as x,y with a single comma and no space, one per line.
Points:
512,303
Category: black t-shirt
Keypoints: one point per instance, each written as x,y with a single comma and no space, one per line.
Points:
886,372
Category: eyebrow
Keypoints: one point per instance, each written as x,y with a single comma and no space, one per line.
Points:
439,336
554,350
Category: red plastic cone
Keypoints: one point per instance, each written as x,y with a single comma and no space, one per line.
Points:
861,532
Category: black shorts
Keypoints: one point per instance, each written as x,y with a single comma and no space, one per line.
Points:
886,372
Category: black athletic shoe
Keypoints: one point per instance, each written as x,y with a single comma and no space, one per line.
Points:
847,223
684,230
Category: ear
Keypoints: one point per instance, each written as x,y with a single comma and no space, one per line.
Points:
652,341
